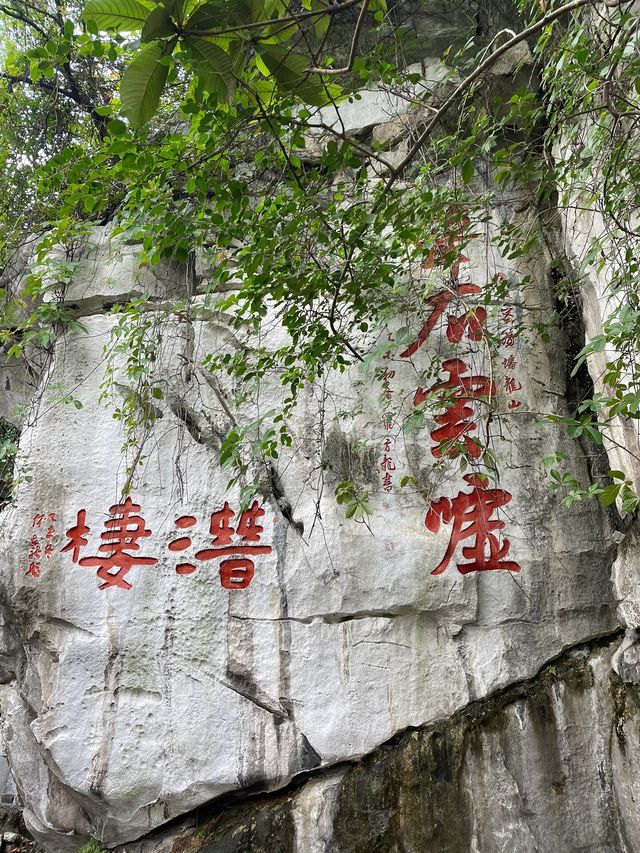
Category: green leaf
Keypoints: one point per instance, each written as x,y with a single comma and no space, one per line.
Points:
212,64
609,494
158,25
277,33
126,15
116,127
218,15
262,90
322,23
209,16
288,67
264,10
290,71
208,51
467,171
143,81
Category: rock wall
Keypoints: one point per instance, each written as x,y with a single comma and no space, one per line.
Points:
277,646
527,770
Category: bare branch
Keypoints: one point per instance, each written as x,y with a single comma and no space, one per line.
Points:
354,46
287,19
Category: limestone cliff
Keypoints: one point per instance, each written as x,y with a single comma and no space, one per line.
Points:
270,676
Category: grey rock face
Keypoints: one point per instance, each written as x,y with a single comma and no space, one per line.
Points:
126,707
123,709
547,764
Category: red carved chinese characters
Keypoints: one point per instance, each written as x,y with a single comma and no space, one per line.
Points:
508,340
41,542
452,436
444,246
120,537
236,572
77,536
183,542
387,466
470,514
126,527
472,321
35,555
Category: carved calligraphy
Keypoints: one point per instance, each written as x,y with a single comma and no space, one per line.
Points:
43,528
387,465
235,541
509,362
463,395
470,514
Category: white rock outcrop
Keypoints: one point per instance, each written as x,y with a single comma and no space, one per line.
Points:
126,707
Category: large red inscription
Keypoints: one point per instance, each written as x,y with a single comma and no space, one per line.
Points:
235,541
470,515
463,395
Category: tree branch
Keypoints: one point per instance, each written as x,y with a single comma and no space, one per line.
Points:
45,85
470,79
73,94
11,13
352,50
462,87
287,19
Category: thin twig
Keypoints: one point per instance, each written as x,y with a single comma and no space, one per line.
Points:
470,79
353,49
288,19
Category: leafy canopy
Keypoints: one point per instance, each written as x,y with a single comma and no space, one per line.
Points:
213,130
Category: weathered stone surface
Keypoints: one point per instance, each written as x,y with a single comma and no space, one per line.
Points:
599,304
548,764
622,435
183,690
7,789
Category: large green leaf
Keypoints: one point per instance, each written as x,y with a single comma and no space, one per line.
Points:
276,33
265,10
143,81
290,70
208,51
116,14
322,22
158,25
212,64
219,15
